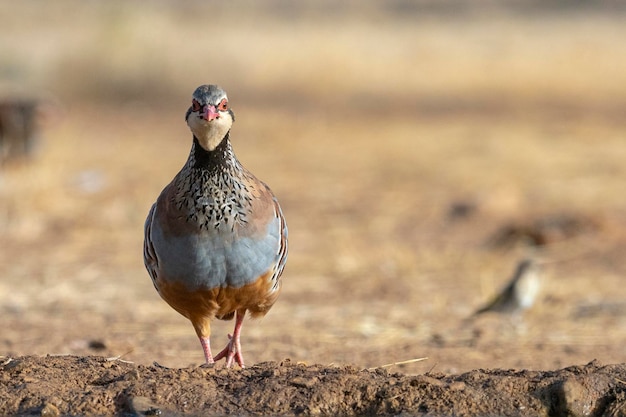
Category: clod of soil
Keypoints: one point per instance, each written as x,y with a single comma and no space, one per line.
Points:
75,385
543,230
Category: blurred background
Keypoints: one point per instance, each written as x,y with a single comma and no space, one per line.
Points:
420,150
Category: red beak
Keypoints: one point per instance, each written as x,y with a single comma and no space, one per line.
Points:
209,113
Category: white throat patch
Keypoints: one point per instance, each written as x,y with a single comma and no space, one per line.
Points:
210,134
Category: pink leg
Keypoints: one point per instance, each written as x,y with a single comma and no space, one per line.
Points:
233,348
206,347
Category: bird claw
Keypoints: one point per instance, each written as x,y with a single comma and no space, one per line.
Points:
232,352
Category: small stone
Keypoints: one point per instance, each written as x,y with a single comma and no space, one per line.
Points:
457,386
132,375
13,365
144,407
50,410
576,398
96,345
304,382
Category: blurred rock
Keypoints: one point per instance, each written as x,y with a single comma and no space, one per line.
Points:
96,345
578,396
19,129
50,410
611,309
542,231
142,406
461,210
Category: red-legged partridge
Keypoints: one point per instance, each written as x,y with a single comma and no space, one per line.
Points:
216,239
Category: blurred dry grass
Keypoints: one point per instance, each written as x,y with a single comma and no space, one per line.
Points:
369,123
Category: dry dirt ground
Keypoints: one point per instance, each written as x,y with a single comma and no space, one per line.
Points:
101,386
418,156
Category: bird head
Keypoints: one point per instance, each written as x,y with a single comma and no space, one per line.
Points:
209,117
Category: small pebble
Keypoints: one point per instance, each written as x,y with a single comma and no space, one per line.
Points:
50,410
142,406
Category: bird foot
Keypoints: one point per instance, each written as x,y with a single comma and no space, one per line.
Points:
232,352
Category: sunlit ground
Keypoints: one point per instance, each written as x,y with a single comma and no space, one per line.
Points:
369,124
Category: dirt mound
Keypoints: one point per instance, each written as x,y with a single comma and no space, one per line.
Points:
88,385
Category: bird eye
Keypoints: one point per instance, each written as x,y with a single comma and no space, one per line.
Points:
195,106
223,106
